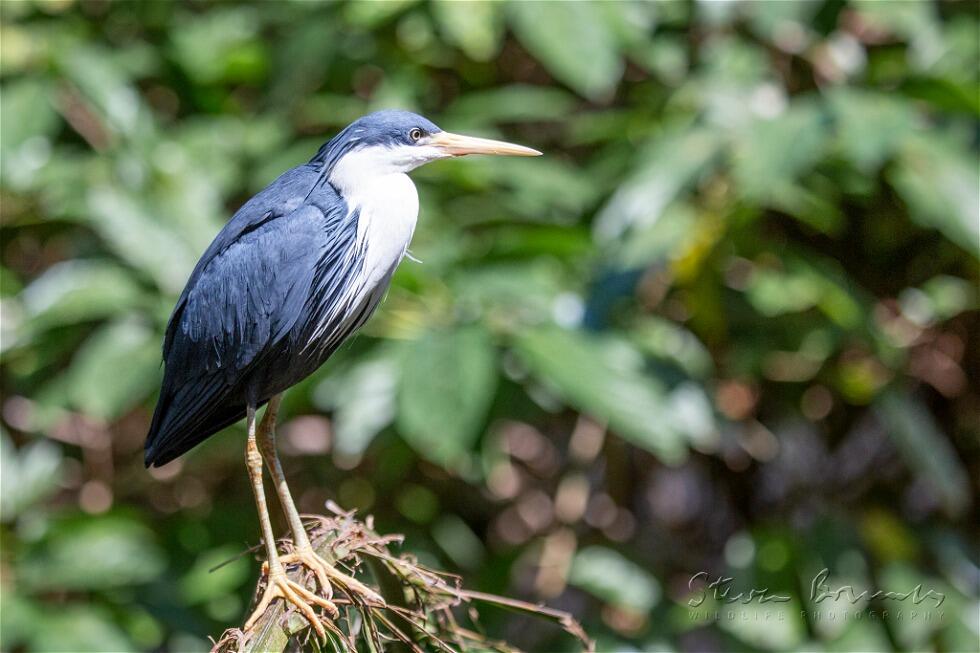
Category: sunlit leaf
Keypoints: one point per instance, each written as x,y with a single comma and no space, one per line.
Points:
115,369
668,164
542,190
772,152
939,298
363,398
476,27
938,181
29,474
18,618
786,632
447,383
29,118
663,240
671,342
631,22
139,239
215,573
915,634
514,294
93,553
573,41
80,628
804,284
104,83
871,126
915,21
614,578
605,378
369,14
219,45
78,290
509,103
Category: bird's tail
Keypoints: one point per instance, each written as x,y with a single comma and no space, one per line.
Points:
182,420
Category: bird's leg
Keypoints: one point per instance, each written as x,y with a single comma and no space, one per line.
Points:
278,584
304,554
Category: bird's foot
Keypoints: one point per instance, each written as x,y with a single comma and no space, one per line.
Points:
327,576
278,586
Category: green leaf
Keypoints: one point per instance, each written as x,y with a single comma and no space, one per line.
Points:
363,398
79,628
447,384
104,82
19,617
573,41
666,57
671,342
926,449
917,634
515,103
665,239
512,294
605,378
476,27
220,45
871,127
76,291
614,579
938,181
29,475
804,283
115,369
938,299
203,582
29,120
767,626
630,22
139,238
772,153
372,14
91,553
915,21
542,190
769,19
670,163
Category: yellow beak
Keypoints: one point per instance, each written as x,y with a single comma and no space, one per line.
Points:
459,145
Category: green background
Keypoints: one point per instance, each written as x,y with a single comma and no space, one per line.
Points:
727,324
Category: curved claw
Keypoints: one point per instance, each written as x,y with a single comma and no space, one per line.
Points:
280,587
325,573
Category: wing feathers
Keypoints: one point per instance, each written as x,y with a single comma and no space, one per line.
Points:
240,307
275,294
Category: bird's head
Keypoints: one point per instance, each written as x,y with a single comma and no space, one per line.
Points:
387,142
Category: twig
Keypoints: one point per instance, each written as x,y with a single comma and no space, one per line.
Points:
423,599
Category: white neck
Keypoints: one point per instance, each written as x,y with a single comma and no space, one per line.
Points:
363,165
374,183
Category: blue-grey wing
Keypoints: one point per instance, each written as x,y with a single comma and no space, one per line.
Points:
249,296
239,310
280,198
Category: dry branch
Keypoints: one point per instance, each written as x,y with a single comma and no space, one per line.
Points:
421,614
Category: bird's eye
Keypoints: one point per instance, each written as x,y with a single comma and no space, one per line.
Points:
415,134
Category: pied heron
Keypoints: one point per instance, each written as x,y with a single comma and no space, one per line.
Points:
298,269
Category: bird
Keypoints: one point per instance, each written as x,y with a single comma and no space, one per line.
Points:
296,271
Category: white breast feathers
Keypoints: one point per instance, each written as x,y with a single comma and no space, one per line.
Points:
388,207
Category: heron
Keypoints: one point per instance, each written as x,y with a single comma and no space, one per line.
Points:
298,269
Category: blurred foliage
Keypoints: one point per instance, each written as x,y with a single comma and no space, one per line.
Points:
728,324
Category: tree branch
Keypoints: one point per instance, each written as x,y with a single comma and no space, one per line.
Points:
420,603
